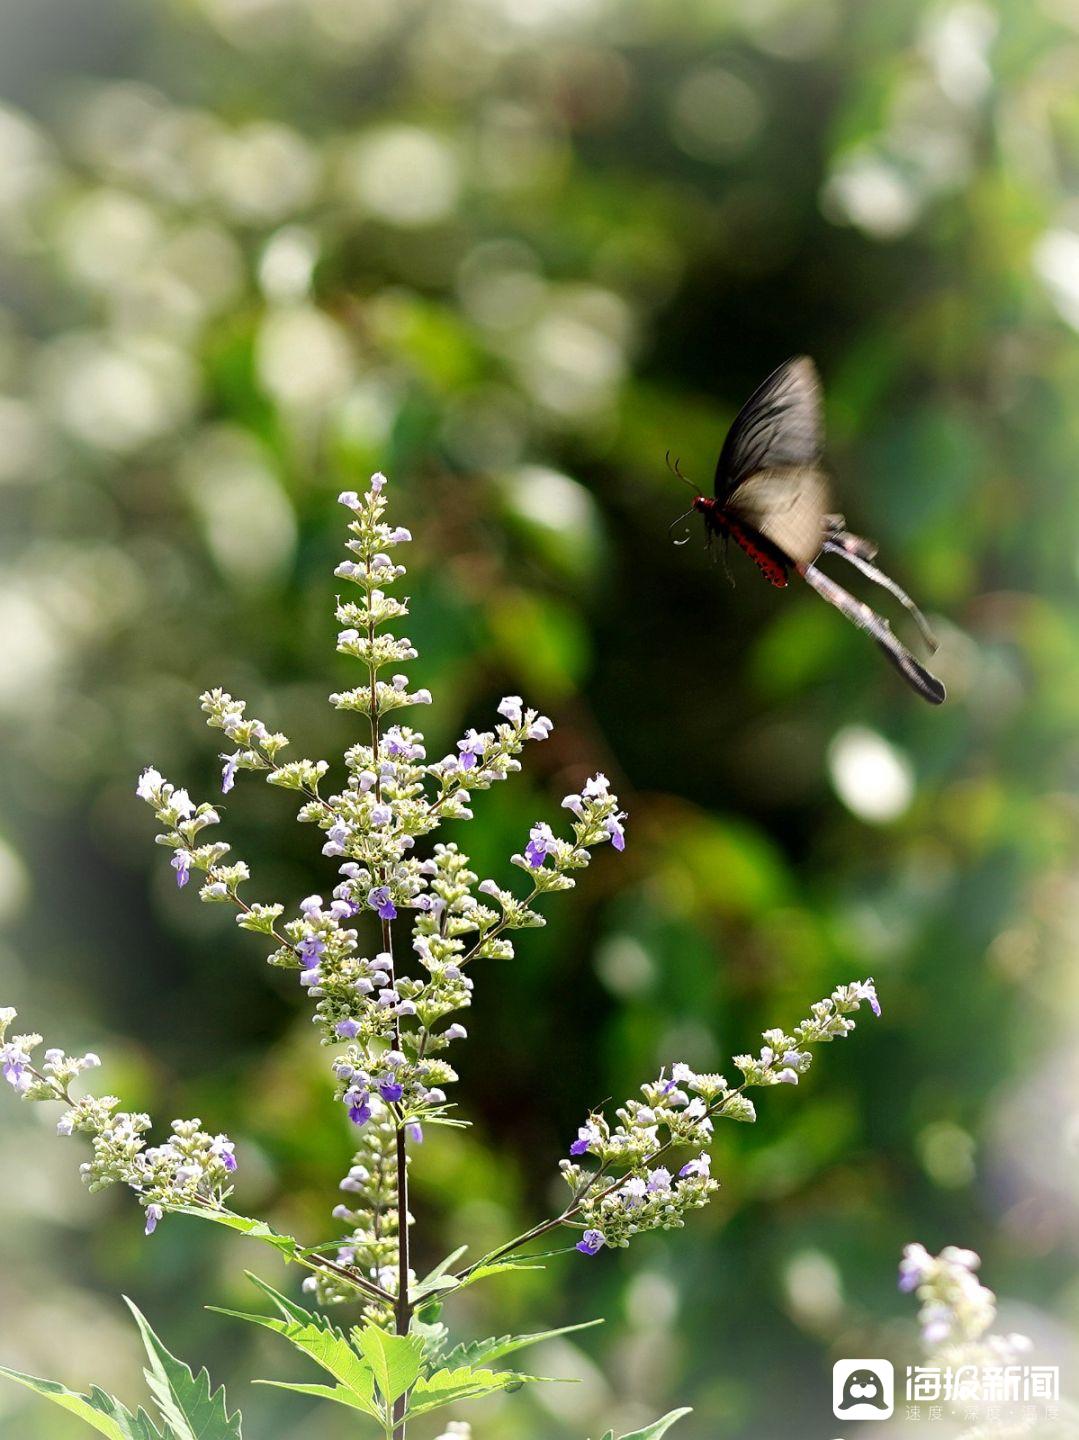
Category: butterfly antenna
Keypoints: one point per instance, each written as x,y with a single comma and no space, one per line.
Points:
675,468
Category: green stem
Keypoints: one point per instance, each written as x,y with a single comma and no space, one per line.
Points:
402,1308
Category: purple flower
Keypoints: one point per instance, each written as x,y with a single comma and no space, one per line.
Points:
228,774
616,831
868,991
391,1090
471,748
336,838
14,1067
633,1192
914,1267
378,480
347,1029
379,899
349,498
659,1181
309,950
587,1135
395,744
181,863
359,1106
381,814
415,1132
541,843
153,1215
591,1242
222,1149
700,1165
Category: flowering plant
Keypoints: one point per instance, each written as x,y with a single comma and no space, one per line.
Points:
968,1362
391,1024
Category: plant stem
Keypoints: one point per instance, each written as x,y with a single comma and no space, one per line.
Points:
574,1206
402,1308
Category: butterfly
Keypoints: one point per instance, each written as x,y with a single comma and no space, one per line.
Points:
772,499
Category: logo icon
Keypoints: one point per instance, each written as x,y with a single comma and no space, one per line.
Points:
863,1389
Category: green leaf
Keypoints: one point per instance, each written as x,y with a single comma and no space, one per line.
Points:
288,1308
188,1406
433,1286
446,1387
102,1412
659,1427
497,1267
340,1393
479,1352
243,1225
396,1360
437,1279
327,1347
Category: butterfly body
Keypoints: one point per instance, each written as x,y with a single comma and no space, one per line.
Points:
772,499
725,524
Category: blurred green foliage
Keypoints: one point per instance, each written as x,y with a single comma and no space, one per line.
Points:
511,251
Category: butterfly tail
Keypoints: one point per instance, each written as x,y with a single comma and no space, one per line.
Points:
859,553
860,615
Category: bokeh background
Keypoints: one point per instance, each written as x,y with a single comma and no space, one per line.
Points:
510,251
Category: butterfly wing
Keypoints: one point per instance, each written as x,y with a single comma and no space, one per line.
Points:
787,507
781,424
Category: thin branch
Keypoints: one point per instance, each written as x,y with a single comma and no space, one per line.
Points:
574,1207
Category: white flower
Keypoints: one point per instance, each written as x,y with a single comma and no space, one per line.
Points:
180,801
511,706
150,783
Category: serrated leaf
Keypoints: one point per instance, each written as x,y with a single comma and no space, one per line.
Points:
243,1225
327,1347
480,1352
189,1407
101,1411
446,1387
396,1360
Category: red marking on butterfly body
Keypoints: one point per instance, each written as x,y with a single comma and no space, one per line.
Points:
772,564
